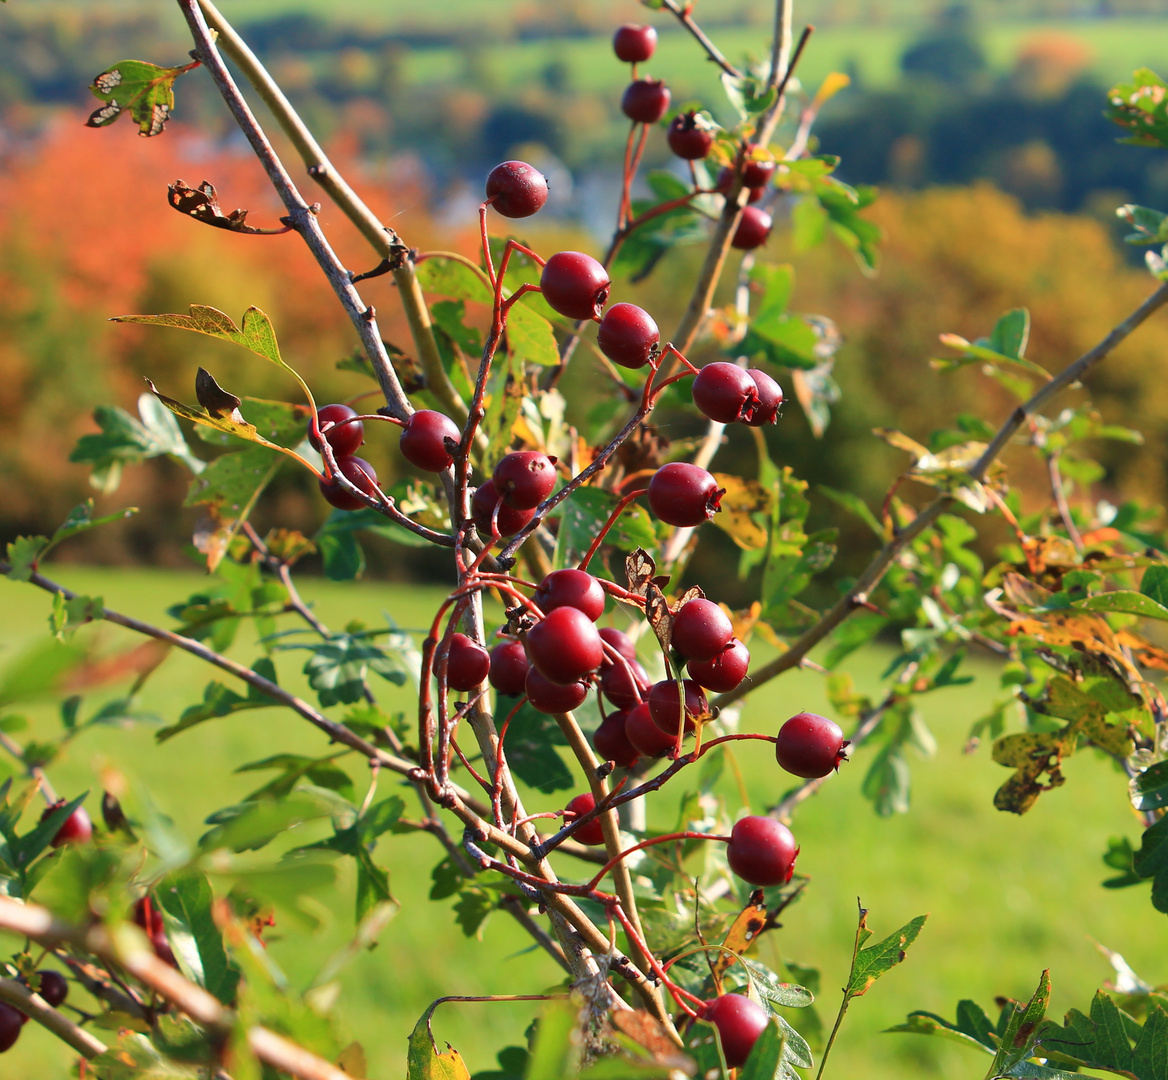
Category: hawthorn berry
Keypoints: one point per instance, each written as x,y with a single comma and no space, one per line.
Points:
765,409
575,285
516,189
150,919
612,741
565,646
360,474
762,851
645,735
726,179
757,174
740,1022
76,829
724,671
624,683
467,664
753,229
571,588
724,392
665,705
591,834
526,478
628,336
701,629
482,508
11,1021
509,664
620,641
549,697
690,137
344,439
54,987
423,440
810,745
645,101
634,44
684,495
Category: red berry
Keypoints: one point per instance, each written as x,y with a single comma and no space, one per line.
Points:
482,507
77,828
518,189
645,101
757,174
740,1022
549,697
162,948
150,919
701,629
634,44
624,683
575,284
725,671
628,336
11,1021
665,704
509,666
344,439
467,664
620,641
765,410
360,474
423,440
571,588
689,136
809,745
645,735
724,392
591,834
526,478
753,229
726,178
762,851
684,495
565,645
612,741
54,987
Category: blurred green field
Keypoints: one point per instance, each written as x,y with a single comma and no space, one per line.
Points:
1007,896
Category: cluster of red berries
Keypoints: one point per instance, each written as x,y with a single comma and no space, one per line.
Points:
54,988
728,394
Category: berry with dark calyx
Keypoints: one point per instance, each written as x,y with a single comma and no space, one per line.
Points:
612,741
620,641
482,506
575,284
526,478
726,178
624,683
753,229
725,671
810,745
765,409
564,646
467,664
665,704
77,828
740,1022
684,495
549,697
645,101
360,474
54,987
645,735
516,189
509,666
627,335
689,137
724,392
591,834
757,174
11,1021
634,44
762,851
571,588
423,440
344,439
701,629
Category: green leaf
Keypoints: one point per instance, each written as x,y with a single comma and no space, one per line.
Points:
320,772
423,1061
1130,603
339,667
876,960
926,1023
778,338
853,503
24,849
1018,1040
765,1058
39,671
343,558
454,278
372,885
1150,1054
1150,787
23,554
584,513
766,982
68,615
232,482
219,700
145,90
1154,583
1148,226
749,96
530,337
186,900
530,749
1011,333
81,520
556,1052
1141,107
255,334
252,825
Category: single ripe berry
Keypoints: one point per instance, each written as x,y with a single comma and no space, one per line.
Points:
344,439
525,478
517,190
628,336
753,229
423,440
665,705
645,735
571,588
54,987
765,409
701,629
509,666
612,741
360,474
757,174
467,664
810,746
624,683
645,101
620,641
575,284
726,178
690,137
762,851
549,697
724,392
482,506
684,495
565,646
150,919
634,44
77,828
591,834
725,671
11,1021
740,1022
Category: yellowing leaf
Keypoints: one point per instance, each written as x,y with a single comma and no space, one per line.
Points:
743,500
423,1060
832,85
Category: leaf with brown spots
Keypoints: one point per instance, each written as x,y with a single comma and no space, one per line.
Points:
746,508
743,933
639,571
870,963
657,612
647,1032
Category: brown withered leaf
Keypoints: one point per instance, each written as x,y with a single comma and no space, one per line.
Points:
639,571
694,592
202,203
647,1032
217,401
743,932
657,612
